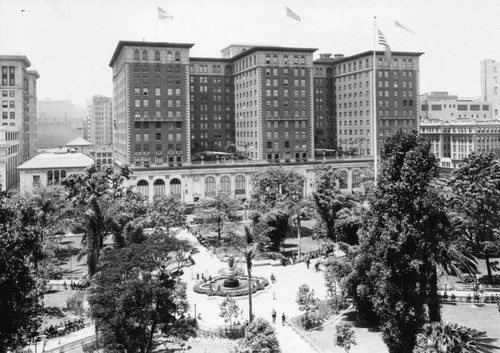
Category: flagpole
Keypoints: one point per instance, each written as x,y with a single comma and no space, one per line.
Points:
374,103
157,18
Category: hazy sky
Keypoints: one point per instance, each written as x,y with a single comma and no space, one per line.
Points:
70,42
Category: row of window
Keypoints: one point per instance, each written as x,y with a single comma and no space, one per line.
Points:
170,57
175,186
8,75
158,125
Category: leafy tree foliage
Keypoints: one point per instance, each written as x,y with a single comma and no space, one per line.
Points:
137,292
259,336
344,336
273,187
328,199
277,195
169,212
444,337
349,222
394,275
336,272
476,187
229,309
20,283
93,194
306,299
218,214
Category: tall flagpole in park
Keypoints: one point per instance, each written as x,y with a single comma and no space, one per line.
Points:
374,103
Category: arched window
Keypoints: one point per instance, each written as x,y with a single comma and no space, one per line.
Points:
50,179
302,60
144,55
285,59
110,161
143,187
410,64
295,60
177,56
404,63
136,55
356,178
99,161
159,188
395,63
175,187
268,59
225,183
379,61
275,59
56,177
240,185
169,56
210,186
343,180
63,174
157,55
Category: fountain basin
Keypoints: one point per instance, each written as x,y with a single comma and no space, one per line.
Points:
233,286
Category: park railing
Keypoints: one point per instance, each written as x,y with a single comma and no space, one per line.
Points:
71,346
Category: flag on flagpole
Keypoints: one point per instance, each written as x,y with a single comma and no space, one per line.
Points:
291,14
397,24
164,15
383,41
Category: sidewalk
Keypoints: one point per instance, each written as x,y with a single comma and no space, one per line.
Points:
58,342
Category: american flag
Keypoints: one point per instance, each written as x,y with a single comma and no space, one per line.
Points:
383,41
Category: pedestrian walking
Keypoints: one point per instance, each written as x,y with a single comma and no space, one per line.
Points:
308,262
273,314
283,318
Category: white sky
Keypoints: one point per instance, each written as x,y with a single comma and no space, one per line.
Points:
70,42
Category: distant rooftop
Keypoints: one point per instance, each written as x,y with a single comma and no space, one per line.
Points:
16,57
58,159
79,141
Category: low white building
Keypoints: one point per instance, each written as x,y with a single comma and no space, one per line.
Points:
50,168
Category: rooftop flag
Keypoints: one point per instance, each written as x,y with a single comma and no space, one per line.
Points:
164,15
291,14
397,24
383,41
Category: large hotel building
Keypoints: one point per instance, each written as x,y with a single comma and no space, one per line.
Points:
269,103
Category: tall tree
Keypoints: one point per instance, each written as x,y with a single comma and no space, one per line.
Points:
328,199
137,293
394,273
476,187
93,194
20,282
229,310
249,246
218,213
306,300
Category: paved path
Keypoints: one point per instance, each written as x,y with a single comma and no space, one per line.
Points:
289,278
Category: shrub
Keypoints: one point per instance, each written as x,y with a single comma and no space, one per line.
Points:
74,304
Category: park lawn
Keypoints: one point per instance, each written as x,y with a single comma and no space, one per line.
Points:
369,339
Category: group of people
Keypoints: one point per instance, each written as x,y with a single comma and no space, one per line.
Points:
64,328
78,285
283,317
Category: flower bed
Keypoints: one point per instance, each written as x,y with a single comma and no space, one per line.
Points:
261,284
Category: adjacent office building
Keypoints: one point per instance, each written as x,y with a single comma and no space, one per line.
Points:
490,84
99,128
18,116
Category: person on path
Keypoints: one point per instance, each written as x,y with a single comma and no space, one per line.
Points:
273,314
283,318
308,262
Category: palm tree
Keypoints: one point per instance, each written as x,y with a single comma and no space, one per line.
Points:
300,208
444,337
249,246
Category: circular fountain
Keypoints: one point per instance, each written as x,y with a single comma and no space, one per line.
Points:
230,282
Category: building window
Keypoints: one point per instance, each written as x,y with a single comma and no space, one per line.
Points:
157,55
144,55
136,55
175,187
210,187
158,188
143,188
240,185
225,183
